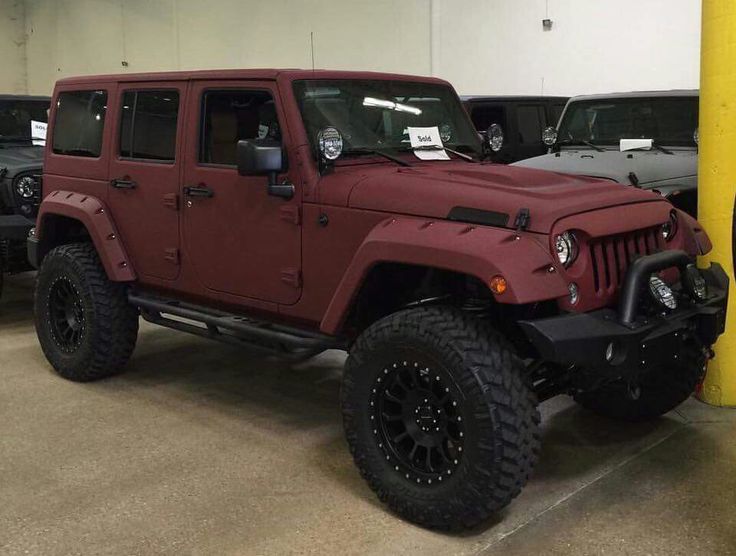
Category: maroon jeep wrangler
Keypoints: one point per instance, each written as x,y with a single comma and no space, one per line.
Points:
297,211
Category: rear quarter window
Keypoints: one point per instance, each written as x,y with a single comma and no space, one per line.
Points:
79,122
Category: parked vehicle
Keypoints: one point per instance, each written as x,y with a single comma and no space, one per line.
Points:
21,157
595,133
522,119
295,211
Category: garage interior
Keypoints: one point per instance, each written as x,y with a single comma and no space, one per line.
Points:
204,448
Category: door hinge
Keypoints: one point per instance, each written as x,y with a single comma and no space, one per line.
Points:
172,255
171,200
292,277
291,213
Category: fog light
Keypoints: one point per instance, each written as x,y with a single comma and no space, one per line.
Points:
662,293
573,289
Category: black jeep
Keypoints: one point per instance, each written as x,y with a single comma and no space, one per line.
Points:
22,137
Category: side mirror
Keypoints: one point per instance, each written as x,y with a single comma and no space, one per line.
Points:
549,136
494,136
264,157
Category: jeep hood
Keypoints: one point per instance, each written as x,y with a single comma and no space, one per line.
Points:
20,159
434,189
650,167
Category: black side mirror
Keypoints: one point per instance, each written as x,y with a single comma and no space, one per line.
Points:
264,157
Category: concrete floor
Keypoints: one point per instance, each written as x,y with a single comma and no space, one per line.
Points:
202,449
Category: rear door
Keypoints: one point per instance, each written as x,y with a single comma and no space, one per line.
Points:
144,175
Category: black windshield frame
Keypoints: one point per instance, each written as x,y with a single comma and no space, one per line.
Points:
668,121
340,103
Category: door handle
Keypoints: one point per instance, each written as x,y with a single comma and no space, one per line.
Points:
198,191
123,183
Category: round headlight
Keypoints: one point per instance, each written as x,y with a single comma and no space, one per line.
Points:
566,248
445,133
662,293
549,136
669,228
329,140
696,136
494,136
26,187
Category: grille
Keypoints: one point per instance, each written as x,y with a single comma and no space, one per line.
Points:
612,255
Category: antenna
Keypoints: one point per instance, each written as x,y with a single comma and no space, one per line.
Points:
311,44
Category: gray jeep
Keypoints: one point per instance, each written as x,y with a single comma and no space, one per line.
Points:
643,139
22,133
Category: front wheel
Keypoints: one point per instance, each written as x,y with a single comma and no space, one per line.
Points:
85,325
438,418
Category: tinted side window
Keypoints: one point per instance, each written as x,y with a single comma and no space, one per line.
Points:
228,117
148,125
80,119
484,116
531,123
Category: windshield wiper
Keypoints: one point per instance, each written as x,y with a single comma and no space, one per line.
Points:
384,154
660,148
464,156
572,142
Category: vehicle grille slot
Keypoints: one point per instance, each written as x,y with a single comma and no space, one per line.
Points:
611,256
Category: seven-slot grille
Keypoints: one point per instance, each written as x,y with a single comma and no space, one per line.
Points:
612,255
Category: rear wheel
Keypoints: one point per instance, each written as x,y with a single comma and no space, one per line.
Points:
654,393
85,325
438,418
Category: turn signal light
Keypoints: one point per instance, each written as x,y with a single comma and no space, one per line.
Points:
498,284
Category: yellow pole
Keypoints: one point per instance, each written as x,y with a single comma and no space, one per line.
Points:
717,175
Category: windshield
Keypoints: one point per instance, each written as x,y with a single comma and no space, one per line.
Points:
375,115
16,116
667,121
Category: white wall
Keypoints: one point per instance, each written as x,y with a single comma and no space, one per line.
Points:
68,37
481,46
12,47
499,47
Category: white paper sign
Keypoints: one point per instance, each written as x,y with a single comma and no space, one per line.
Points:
633,144
427,138
38,132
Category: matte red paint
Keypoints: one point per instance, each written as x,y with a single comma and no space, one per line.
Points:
250,252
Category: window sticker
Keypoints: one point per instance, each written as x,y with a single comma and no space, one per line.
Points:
38,132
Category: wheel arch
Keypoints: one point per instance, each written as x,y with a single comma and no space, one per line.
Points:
450,249
66,217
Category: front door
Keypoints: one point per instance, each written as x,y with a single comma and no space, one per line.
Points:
239,239
144,175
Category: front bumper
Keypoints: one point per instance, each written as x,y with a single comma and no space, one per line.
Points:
620,339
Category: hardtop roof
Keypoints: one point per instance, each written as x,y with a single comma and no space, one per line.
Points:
510,98
245,74
674,93
25,97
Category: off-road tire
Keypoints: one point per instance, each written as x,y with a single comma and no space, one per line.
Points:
500,415
110,324
660,390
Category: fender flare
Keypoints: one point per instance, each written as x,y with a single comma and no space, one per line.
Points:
479,251
95,217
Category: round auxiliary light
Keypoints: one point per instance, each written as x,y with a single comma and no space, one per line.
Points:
549,136
572,287
26,187
566,248
696,136
494,136
329,140
662,293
